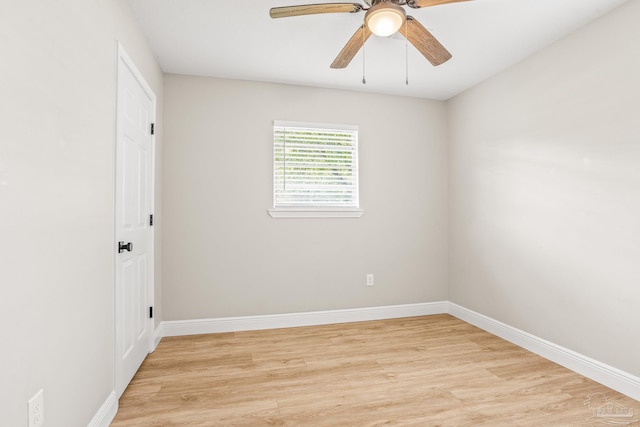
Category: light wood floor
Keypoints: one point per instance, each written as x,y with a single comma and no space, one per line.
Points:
420,371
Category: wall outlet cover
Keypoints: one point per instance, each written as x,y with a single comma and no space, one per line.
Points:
36,409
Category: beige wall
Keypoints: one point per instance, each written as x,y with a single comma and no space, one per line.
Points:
545,193
225,256
57,146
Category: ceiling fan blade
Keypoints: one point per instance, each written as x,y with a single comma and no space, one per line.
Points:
313,9
427,3
352,47
425,42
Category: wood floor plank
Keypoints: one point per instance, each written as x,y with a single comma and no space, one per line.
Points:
422,371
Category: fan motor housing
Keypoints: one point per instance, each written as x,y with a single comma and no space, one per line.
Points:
375,2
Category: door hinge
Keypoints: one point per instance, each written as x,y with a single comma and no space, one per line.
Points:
151,220
153,128
150,312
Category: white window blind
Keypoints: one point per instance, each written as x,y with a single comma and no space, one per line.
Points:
315,165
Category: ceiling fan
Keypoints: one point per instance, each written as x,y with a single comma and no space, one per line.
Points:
382,18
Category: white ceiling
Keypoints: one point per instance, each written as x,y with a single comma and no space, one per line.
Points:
238,40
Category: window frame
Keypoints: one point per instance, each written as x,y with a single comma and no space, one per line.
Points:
315,211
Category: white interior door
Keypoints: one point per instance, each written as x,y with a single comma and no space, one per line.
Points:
134,236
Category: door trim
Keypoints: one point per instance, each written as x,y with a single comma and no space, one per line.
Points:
125,59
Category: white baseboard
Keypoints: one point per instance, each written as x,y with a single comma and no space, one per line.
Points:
106,413
604,374
274,321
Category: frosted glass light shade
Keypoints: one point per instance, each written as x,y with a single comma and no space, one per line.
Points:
384,19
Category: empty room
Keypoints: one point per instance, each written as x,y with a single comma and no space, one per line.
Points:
397,212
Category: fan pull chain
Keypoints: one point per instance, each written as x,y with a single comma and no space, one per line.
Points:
364,81
406,54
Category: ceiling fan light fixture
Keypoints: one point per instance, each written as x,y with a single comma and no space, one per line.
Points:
385,19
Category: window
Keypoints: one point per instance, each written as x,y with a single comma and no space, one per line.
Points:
315,170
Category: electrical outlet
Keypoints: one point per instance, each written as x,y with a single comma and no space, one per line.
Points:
370,279
36,409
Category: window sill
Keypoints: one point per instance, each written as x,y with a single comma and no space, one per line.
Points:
315,213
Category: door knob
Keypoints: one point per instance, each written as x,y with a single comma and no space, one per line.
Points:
122,246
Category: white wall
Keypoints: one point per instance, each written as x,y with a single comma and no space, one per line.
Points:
545,193
225,256
57,146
